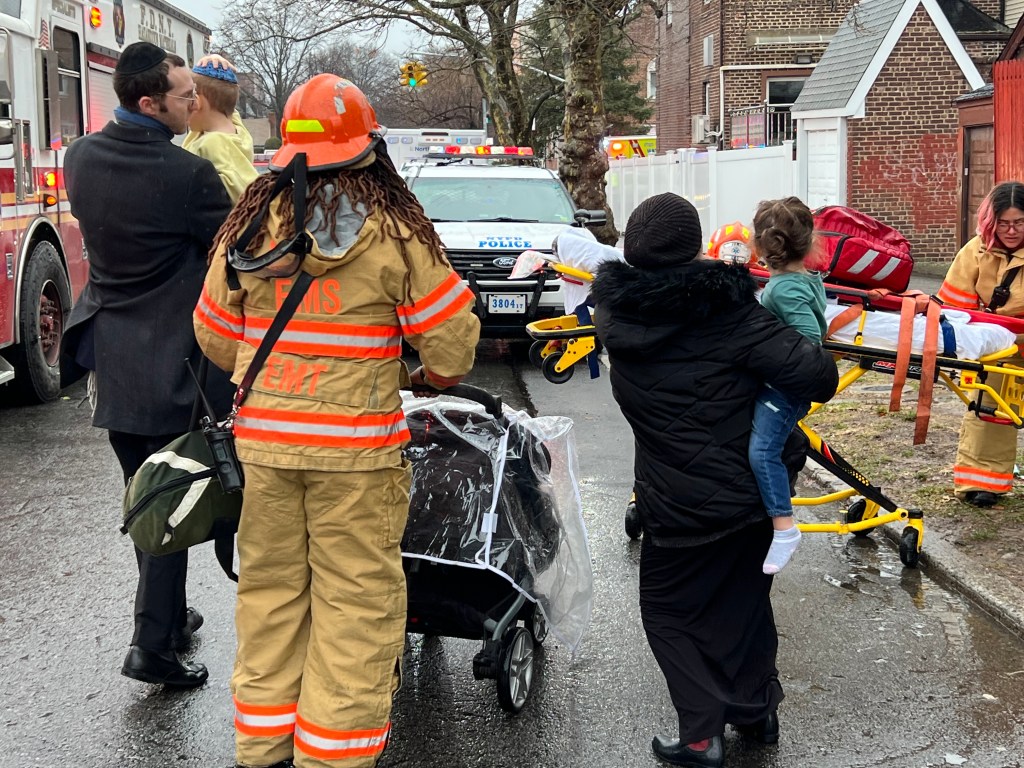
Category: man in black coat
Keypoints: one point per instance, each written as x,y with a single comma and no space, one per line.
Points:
148,212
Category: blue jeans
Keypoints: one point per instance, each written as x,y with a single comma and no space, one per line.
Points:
775,415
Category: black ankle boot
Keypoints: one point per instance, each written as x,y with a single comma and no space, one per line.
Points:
675,752
765,731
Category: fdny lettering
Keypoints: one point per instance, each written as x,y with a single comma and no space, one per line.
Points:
322,298
290,377
503,241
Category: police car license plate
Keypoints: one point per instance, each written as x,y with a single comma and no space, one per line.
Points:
507,303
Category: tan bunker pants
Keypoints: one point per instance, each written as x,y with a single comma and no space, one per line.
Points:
987,451
320,615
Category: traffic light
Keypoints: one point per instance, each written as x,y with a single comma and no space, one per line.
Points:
408,78
420,75
413,74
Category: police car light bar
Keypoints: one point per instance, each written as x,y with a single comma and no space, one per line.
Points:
459,149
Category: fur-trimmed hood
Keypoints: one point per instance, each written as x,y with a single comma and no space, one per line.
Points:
656,303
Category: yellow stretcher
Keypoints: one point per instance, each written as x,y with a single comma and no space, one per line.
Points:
562,342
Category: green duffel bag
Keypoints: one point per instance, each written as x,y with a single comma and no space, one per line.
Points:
176,501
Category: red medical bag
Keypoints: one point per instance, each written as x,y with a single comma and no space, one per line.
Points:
862,252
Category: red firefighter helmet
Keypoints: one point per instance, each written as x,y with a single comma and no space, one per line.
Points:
731,242
330,120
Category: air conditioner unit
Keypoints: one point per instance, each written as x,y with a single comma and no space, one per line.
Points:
699,127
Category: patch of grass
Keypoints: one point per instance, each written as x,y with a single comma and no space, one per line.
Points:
983,534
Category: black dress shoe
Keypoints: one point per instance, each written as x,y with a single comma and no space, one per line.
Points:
162,668
675,752
181,639
981,498
766,731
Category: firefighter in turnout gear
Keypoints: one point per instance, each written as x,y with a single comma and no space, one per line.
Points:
321,596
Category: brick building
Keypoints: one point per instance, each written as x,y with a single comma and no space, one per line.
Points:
878,128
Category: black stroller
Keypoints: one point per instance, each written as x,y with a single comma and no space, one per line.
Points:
481,526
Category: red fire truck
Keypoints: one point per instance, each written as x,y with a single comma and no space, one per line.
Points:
57,60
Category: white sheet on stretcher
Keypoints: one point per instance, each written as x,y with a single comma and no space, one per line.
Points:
578,248
881,330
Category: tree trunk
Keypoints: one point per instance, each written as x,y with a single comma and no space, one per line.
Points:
582,164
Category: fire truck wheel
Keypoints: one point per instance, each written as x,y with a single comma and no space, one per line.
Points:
45,305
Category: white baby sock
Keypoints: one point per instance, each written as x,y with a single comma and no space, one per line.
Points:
784,544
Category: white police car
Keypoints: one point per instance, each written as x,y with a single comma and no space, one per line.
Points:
489,208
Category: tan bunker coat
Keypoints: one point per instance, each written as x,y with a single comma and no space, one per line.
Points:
321,594
987,450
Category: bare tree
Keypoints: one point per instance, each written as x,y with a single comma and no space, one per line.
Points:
269,41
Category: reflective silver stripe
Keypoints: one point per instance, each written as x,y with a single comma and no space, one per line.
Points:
187,504
236,329
264,721
862,263
172,459
329,430
321,742
888,269
328,339
966,474
444,301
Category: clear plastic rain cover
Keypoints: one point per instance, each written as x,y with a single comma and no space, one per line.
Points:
502,495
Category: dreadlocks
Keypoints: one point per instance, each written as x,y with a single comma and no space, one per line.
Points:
378,187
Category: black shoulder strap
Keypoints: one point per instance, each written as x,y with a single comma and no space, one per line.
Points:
284,314
1002,294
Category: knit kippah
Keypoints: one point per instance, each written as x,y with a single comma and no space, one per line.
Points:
219,73
139,57
663,231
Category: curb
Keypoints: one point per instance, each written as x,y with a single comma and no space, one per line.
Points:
995,595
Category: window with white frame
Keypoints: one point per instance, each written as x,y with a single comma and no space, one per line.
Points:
652,79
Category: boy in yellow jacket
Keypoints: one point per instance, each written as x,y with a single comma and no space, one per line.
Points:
216,131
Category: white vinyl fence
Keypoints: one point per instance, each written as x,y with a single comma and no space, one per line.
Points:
723,186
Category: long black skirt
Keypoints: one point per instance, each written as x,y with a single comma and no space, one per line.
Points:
708,616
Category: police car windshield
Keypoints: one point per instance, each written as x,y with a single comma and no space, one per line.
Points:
458,198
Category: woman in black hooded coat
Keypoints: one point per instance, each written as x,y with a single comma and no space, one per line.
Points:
689,347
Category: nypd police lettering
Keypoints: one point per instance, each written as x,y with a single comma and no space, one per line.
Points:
503,241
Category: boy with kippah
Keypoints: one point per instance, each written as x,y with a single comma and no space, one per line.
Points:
216,131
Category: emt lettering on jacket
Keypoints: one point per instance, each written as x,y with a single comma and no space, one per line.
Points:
323,296
284,375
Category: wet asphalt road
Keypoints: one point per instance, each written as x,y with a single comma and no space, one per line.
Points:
881,666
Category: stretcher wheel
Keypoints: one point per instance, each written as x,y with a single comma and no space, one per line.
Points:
909,552
537,353
632,522
515,669
538,625
548,367
855,514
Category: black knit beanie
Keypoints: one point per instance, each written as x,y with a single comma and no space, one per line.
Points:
663,231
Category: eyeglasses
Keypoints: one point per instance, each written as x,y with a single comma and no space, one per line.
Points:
1017,225
190,99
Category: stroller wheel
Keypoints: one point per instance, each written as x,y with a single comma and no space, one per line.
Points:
538,625
515,671
632,521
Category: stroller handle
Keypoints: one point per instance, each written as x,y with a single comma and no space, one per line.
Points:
491,403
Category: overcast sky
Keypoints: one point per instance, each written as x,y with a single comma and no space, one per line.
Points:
209,12
204,10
